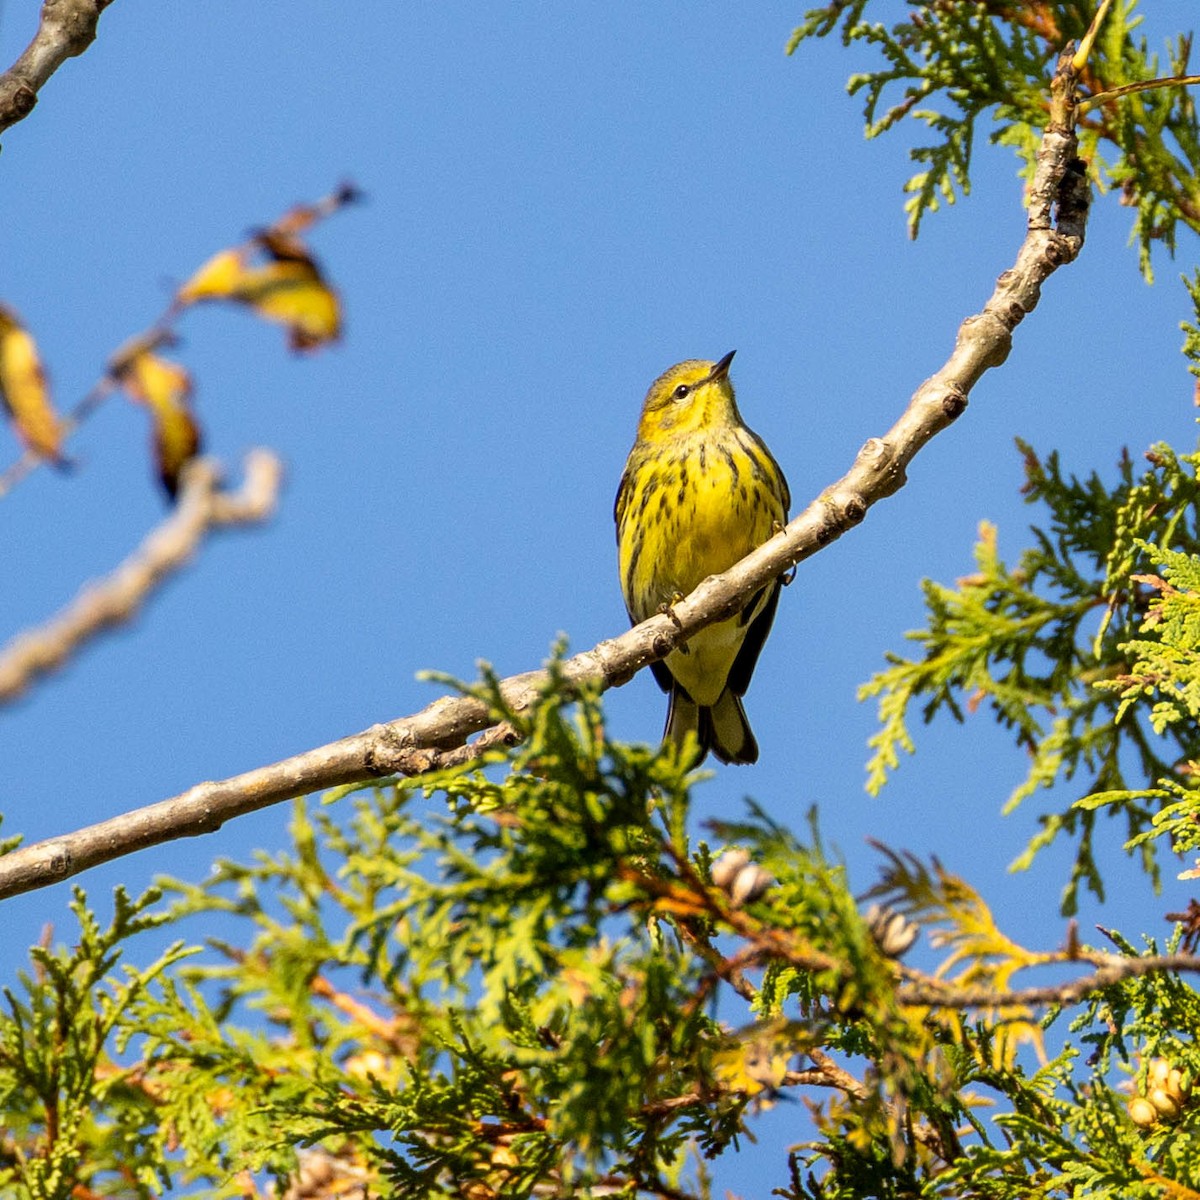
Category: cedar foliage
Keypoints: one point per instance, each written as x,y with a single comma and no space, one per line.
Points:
534,977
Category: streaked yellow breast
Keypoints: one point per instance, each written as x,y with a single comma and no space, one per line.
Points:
696,505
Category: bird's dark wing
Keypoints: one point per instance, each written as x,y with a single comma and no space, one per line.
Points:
743,665
621,497
662,676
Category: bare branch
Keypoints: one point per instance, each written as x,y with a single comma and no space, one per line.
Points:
827,1073
117,598
67,28
1116,968
437,735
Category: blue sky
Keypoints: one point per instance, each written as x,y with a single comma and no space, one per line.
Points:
563,200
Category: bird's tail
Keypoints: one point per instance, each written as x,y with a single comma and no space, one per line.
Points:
723,728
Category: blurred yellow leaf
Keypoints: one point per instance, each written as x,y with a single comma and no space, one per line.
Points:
980,955
742,1070
292,292
165,388
216,280
758,1062
24,392
580,985
289,288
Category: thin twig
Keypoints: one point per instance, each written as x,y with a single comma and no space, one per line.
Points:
117,598
427,739
67,28
834,1076
31,459
1143,85
1117,968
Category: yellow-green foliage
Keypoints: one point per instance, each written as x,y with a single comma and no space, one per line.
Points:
522,980
949,66
1034,641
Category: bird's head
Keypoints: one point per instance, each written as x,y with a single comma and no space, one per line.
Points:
687,397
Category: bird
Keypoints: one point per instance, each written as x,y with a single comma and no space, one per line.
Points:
700,490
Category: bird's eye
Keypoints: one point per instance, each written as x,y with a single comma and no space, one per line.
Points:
682,392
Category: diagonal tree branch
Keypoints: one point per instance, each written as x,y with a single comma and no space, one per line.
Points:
437,735
67,28
116,599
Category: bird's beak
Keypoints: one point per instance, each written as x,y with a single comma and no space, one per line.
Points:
722,368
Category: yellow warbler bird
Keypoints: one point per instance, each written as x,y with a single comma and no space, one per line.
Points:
699,492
